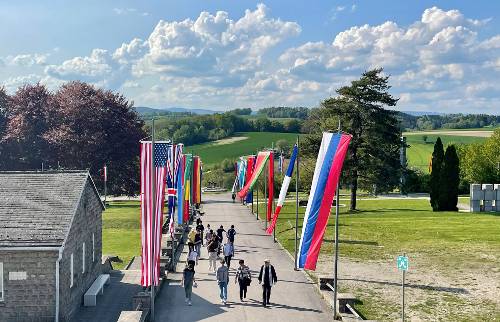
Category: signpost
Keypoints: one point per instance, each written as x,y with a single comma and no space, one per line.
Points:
402,264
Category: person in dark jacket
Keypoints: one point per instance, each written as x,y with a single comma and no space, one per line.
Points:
267,277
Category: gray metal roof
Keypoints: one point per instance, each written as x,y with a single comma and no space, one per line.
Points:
36,208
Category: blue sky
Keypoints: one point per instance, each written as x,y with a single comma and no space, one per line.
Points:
442,56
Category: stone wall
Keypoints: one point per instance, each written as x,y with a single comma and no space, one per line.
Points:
88,220
485,197
33,298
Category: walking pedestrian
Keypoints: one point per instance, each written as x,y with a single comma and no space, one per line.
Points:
222,280
191,235
208,235
220,236
243,278
233,196
197,243
201,229
192,257
212,246
188,281
267,277
230,234
228,254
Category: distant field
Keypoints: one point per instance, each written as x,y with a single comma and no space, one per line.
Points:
215,152
419,153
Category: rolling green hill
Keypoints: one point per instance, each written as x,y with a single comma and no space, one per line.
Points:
243,143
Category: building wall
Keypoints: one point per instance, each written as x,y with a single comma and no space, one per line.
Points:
87,220
32,299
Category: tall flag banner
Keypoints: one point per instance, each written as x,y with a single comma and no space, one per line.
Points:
151,239
105,173
180,190
242,168
196,180
248,175
281,163
326,176
187,185
260,162
284,189
270,187
235,185
171,188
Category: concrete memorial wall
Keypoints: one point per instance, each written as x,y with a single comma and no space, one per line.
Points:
484,197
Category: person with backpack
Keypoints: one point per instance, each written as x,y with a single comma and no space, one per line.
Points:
220,236
267,277
223,280
197,243
213,246
228,254
188,281
191,235
230,234
243,278
201,229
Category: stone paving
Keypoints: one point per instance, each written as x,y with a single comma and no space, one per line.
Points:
294,298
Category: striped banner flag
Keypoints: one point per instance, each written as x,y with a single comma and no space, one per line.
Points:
260,163
326,176
151,239
284,189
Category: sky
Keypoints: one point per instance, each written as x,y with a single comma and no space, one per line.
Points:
441,56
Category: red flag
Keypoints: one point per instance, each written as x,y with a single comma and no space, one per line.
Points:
270,186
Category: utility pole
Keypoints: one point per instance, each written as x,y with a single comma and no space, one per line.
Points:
297,206
153,219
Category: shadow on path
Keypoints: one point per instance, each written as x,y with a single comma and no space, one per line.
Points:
456,290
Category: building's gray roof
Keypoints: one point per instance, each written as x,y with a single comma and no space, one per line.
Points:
36,208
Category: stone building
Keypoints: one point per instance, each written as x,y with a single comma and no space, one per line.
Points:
50,243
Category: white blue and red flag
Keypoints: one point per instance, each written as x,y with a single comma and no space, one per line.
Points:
284,189
150,237
329,163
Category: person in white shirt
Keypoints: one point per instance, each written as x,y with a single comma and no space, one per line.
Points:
228,253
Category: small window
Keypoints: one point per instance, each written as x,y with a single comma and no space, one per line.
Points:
83,258
71,270
1,282
93,248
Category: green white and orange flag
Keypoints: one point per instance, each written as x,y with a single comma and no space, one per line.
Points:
259,166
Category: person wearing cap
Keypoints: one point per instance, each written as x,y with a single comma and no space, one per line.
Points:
267,277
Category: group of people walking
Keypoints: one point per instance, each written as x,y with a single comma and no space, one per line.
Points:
213,240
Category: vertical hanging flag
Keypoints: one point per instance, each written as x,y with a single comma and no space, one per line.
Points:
187,185
105,173
260,162
281,163
270,187
151,239
196,180
284,189
326,176
248,175
180,191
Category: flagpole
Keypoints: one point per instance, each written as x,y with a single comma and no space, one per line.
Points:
297,205
272,148
335,268
105,183
153,218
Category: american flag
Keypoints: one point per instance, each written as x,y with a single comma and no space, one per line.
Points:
151,239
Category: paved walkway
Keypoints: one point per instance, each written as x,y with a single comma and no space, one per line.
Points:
294,298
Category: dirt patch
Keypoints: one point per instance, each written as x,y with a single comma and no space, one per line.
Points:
481,134
229,140
431,293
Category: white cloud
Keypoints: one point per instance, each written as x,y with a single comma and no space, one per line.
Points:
440,62
129,11
26,60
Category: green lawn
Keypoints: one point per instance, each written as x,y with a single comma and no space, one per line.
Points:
383,228
212,153
419,152
121,233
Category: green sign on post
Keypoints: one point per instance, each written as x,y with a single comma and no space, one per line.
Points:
403,263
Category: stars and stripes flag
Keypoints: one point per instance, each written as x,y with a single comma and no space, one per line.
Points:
284,189
151,238
326,176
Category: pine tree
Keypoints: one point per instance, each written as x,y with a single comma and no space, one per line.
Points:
437,162
450,171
